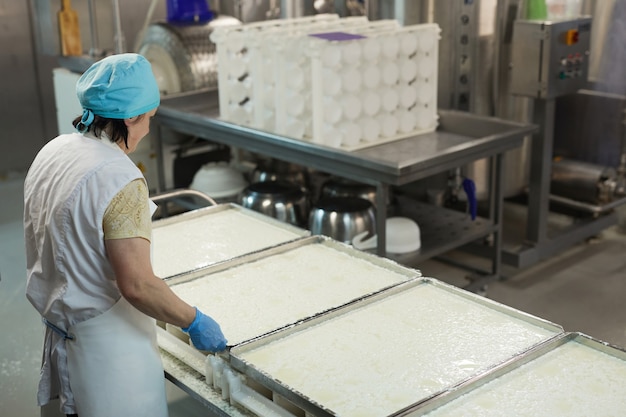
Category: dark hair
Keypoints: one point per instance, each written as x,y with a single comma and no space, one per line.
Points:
116,129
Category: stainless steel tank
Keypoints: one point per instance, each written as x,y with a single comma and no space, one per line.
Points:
582,181
183,57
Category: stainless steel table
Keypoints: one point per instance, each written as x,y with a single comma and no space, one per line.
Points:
460,139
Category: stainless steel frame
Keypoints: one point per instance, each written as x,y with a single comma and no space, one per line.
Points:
297,232
406,273
185,374
473,383
221,207
461,138
297,243
308,405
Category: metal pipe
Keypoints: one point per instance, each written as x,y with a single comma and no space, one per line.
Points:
372,9
118,38
431,12
169,195
582,181
291,8
621,169
178,195
93,29
146,22
591,208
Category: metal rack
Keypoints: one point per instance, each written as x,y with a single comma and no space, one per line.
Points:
460,139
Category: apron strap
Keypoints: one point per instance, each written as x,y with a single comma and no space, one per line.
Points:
65,335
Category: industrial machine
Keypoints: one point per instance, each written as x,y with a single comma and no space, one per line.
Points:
551,60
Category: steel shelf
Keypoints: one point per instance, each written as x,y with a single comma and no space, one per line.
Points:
460,139
441,230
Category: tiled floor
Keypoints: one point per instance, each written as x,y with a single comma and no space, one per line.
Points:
582,289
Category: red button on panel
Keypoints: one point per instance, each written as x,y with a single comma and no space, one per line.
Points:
578,57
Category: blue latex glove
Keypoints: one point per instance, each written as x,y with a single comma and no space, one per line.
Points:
205,333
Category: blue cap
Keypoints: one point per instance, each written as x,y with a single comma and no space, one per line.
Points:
117,87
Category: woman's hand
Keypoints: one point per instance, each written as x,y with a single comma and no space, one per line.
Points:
205,333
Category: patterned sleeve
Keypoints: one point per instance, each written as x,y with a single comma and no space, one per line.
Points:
128,213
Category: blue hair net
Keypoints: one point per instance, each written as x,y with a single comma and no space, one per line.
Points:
117,87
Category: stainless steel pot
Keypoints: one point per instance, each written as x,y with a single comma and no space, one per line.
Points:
282,200
340,187
342,218
275,170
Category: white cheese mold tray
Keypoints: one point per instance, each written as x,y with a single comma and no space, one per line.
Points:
302,79
199,238
573,375
296,83
280,53
386,88
241,67
266,291
390,352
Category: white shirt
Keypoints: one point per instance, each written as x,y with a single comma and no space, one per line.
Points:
66,192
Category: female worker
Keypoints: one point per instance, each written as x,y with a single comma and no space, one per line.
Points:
87,229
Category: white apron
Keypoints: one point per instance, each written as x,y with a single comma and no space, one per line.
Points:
114,365
70,280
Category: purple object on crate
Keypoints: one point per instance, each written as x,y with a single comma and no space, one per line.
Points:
337,36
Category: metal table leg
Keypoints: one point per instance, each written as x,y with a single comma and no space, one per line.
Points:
382,193
540,172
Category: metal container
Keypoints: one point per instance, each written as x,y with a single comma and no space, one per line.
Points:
282,200
276,170
342,218
582,181
182,56
206,236
340,187
286,284
552,356
416,340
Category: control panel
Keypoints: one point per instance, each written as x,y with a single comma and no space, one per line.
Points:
550,58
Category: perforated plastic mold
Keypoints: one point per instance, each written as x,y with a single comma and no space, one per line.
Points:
344,83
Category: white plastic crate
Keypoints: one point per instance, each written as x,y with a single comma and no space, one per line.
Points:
280,76
293,84
387,89
239,73
267,52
